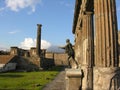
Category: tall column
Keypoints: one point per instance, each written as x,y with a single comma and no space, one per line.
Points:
88,38
38,44
78,46
88,50
106,70
106,33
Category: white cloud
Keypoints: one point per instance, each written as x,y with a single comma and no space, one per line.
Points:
65,4
29,42
3,47
16,5
13,32
45,44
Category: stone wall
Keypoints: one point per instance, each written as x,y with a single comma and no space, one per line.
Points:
59,58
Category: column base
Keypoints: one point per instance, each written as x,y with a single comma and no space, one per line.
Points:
87,80
107,78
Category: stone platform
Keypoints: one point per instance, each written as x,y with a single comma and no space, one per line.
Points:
73,78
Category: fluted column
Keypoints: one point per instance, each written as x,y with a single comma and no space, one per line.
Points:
38,44
88,37
106,33
106,70
88,50
78,46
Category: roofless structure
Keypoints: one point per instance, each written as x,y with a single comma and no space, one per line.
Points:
99,61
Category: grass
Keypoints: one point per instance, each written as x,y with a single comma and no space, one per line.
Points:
26,80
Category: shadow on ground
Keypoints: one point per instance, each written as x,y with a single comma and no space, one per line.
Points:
11,76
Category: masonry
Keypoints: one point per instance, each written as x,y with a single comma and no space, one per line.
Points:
34,58
100,63
39,56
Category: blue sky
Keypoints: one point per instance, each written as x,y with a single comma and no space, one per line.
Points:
19,19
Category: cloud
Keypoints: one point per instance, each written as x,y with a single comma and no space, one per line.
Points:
45,44
65,4
16,5
13,32
29,42
3,47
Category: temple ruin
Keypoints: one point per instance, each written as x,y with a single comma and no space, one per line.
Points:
96,19
33,59
96,48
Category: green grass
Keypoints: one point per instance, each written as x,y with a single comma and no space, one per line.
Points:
26,80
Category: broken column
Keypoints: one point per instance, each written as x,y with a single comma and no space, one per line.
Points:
38,42
106,71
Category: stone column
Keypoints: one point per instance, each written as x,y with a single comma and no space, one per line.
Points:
106,33
78,46
88,50
38,42
106,71
88,39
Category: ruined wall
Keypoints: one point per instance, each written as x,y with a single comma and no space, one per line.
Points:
6,58
14,51
59,58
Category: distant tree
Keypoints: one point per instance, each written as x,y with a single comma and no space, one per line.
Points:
4,52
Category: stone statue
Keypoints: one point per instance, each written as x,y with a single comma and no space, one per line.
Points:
71,54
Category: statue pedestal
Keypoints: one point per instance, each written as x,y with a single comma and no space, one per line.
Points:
73,79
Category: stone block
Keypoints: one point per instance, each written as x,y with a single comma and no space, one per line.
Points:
73,79
106,78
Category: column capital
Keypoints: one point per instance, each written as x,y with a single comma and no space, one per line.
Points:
39,25
88,13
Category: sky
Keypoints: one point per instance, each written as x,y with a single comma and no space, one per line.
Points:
19,19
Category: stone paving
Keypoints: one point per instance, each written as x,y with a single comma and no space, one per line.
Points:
58,83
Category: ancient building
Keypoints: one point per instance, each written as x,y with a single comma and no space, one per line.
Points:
100,64
33,51
14,51
19,51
